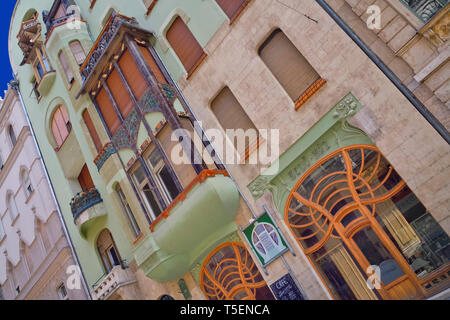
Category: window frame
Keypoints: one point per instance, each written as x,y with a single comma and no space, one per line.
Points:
73,53
68,124
133,224
67,70
141,185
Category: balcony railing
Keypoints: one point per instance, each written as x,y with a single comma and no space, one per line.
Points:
84,200
425,9
103,156
117,278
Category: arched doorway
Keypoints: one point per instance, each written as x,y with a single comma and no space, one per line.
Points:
352,214
229,273
108,251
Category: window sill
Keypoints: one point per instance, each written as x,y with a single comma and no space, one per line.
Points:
57,148
92,4
13,223
253,147
238,13
29,197
3,239
309,92
150,8
197,64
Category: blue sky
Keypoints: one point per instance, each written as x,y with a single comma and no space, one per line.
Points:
5,67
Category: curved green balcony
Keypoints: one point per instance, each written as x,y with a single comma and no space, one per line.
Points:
196,221
87,208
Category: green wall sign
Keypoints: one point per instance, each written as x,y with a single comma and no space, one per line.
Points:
265,239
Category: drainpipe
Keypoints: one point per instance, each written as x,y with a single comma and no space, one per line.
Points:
435,123
58,207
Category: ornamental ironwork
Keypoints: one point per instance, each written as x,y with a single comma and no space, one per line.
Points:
83,201
107,35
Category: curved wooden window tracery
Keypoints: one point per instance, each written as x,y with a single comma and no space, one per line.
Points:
342,199
229,273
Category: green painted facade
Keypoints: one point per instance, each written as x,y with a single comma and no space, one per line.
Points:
203,19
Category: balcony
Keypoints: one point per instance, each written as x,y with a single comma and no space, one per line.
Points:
197,220
120,283
425,9
87,208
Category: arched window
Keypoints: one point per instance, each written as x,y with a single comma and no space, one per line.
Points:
61,126
352,211
26,183
12,136
107,250
78,52
229,273
12,207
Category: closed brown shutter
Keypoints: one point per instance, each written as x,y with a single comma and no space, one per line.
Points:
230,7
85,179
91,128
134,76
107,109
287,64
60,125
152,65
120,93
184,44
230,113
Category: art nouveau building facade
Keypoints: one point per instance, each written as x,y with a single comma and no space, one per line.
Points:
35,253
360,178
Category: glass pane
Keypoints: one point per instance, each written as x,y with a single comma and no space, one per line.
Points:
417,235
155,157
139,174
168,182
113,256
376,253
154,205
40,70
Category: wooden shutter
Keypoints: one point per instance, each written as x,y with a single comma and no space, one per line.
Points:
120,93
133,75
230,113
60,125
184,44
67,70
85,179
78,52
107,109
230,7
152,65
91,128
287,64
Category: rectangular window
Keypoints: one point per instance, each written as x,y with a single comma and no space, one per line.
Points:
120,94
91,128
184,44
85,179
163,176
2,230
129,214
147,192
287,64
231,115
78,52
231,7
107,110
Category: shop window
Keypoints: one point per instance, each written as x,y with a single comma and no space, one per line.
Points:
229,273
129,214
352,211
92,132
66,67
232,116
108,251
183,42
287,64
61,126
78,52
